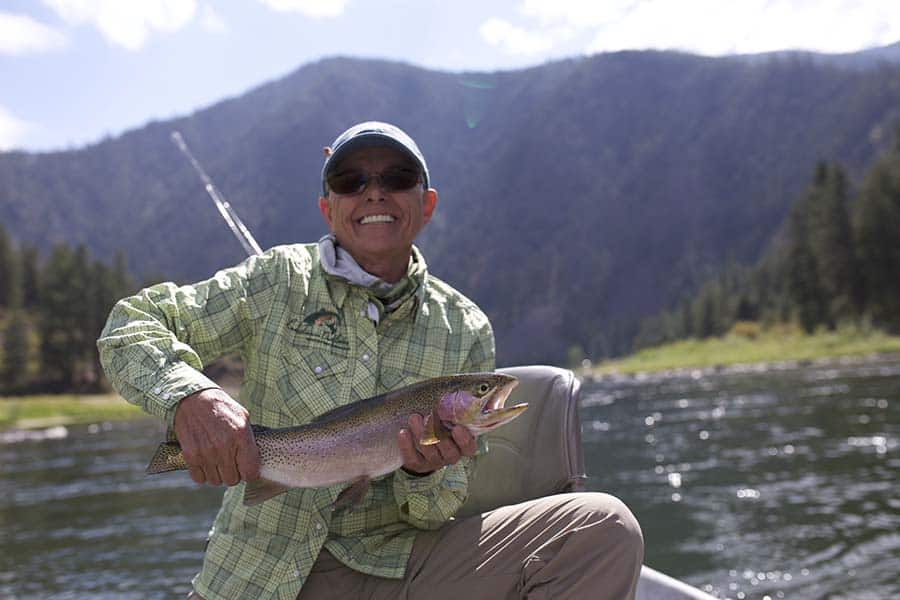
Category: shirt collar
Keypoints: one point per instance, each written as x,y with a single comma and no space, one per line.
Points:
342,271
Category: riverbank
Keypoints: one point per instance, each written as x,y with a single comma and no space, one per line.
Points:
34,412
753,346
743,346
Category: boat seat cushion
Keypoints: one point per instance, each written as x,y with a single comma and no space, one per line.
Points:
537,454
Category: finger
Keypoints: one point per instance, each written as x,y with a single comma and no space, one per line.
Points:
416,426
411,457
248,461
211,473
228,471
431,457
465,441
449,452
416,429
197,474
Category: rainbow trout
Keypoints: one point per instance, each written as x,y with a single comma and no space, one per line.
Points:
358,442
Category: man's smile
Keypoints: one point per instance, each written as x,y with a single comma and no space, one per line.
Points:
376,219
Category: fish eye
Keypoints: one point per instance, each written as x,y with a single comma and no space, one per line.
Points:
483,388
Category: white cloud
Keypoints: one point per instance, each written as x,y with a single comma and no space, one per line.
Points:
514,40
12,129
715,27
20,34
127,23
577,13
212,21
316,9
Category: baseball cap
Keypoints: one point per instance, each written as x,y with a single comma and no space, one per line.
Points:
371,134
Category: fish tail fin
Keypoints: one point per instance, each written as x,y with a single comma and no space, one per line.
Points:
168,457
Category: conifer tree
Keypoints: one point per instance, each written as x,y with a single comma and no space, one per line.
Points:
31,278
831,241
14,362
804,286
59,330
7,258
877,227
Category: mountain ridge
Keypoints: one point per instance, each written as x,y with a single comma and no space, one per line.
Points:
576,196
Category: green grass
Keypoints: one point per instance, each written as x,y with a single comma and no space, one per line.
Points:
751,345
27,412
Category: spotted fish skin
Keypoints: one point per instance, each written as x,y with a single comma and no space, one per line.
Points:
358,442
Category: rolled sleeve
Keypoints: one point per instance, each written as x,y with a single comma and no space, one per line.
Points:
428,502
155,343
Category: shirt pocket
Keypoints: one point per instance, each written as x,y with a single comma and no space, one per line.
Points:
312,379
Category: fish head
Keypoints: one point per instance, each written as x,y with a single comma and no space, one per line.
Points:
476,401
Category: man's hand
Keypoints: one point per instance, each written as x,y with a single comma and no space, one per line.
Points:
425,459
216,439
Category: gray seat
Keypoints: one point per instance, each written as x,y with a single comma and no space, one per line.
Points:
540,454
537,454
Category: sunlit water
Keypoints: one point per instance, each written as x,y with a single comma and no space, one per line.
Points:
779,484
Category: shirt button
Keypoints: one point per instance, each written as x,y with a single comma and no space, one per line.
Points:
296,572
166,396
318,526
365,358
157,390
318,370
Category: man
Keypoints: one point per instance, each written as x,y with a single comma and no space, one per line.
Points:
322,325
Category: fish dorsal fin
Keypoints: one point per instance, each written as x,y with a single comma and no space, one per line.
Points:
342,411
258,429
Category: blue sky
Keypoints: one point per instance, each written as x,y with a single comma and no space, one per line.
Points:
74,71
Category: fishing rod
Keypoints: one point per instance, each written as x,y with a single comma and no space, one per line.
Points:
234,222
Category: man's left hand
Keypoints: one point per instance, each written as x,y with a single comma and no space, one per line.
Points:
423,459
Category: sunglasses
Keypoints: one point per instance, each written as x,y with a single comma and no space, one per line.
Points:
355,181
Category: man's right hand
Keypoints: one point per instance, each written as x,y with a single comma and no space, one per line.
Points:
216,439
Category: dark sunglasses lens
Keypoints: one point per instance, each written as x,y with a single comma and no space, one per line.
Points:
397,180
352,182
347,182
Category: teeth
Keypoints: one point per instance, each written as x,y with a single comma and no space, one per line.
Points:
377,219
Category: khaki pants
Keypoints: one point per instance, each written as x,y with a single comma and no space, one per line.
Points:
585,545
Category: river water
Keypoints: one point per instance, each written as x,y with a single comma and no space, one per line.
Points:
749,483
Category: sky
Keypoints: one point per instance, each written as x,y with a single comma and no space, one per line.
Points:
75,71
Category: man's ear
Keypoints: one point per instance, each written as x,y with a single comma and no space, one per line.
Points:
429,202
325,209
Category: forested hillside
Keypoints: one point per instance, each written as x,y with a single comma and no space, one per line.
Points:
836,261
51,310
576,198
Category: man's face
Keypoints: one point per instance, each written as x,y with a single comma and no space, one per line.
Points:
375,225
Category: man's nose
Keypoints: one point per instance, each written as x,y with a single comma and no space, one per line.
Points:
374,189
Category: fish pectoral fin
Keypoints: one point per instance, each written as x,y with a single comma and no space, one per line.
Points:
353,493
260,490
434,430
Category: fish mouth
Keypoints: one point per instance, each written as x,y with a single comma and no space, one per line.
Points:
496,400
494,411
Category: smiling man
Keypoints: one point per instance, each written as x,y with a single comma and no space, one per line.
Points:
323,325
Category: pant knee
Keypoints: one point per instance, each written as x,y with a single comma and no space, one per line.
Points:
619,525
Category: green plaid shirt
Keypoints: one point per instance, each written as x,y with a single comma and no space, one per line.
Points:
308,347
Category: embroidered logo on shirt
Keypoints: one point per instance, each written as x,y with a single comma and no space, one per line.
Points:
323,325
